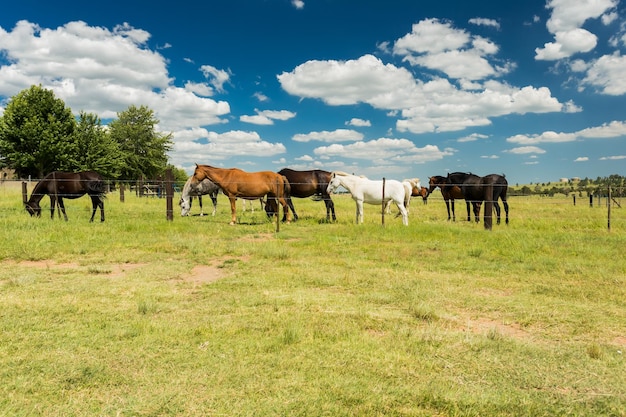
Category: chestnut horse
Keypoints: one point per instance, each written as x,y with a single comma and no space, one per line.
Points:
59,185
450,192
305,184
236,183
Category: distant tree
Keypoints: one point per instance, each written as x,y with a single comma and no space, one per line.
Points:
144,150
36,133
180,176
96,150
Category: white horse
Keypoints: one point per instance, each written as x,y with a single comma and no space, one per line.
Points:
412,187
205,187
364,190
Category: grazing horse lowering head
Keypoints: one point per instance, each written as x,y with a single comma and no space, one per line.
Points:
33,208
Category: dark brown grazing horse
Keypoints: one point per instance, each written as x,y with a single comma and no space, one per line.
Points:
449,193
474,189
59,185
305,184
236,183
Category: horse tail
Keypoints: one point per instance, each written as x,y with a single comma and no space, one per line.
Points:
286,187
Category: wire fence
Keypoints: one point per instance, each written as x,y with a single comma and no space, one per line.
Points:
606,207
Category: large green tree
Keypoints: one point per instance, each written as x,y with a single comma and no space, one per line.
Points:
36,133
96,150
144,150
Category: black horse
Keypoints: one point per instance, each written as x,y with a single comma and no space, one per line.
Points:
305,184
59,185
474,189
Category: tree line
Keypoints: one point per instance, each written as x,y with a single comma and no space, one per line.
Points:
583,188
40,134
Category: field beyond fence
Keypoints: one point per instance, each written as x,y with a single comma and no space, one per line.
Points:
141,316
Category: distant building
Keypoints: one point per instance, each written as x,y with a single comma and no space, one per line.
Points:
564,180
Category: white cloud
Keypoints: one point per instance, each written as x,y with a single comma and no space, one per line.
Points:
480,21
400,150
581,159
298,4
102,71
435,105
565,23
613,158
472,138
358,122
615,129
216,77
439,46
608,74
526,150
339,135
267,117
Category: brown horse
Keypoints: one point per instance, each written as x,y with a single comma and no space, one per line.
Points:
59,185
475,190
236,183
305,184
450,192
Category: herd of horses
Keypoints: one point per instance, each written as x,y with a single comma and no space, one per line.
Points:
278,188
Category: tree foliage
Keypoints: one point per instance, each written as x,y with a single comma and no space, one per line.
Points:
39,134
96,150
36,133
144,150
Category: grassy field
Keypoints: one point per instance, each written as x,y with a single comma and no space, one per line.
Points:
139,316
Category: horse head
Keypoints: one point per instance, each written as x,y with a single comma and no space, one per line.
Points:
333,184
34,209
185,206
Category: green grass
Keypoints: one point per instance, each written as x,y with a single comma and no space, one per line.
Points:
339,319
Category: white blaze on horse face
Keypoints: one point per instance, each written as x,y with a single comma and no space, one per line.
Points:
184,207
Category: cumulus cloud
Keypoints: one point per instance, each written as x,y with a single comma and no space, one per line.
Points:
102,71
565,23
267,117
298,4
437,45
430,106
526,150
581,159
399,150
608,74
339,135
480,21
615,129
358,122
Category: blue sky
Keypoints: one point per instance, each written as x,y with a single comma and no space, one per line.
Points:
535,90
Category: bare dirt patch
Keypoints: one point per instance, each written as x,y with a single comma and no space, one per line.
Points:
113,271
204,274
485,326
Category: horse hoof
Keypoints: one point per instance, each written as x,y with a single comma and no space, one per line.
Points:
232,223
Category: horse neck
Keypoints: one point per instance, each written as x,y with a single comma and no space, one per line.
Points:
41,189
186,190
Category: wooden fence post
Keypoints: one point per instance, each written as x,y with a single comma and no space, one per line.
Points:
24,192
609,213
383,204
278,206
121,192
169,193
488,213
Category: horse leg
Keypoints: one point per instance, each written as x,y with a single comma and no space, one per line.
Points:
62,207
506,210
94,206
101,205
233,210
286,213
53,203
214,200
469,216
200,204
476,205
331,204
293,210
497,207
405,213
359,211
